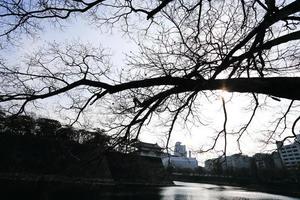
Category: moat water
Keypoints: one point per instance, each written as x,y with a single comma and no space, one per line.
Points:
193,191
180,191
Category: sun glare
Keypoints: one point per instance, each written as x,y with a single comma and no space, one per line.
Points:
225,94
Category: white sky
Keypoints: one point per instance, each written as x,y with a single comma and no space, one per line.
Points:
193,137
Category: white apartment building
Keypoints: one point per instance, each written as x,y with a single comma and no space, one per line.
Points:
290,154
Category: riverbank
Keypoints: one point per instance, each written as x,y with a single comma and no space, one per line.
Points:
33,182
45,187
38,160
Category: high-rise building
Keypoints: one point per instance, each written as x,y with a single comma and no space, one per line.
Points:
290,154
180,160
180,150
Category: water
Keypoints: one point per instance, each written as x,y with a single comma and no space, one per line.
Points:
180,191
193,191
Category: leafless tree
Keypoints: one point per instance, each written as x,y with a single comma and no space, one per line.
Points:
188,50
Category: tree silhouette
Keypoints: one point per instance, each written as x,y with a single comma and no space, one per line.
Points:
46,127
189,50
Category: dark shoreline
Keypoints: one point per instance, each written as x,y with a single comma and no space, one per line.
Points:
39,184
10,180
53,187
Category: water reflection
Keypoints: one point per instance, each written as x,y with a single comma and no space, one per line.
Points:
193,191
181,191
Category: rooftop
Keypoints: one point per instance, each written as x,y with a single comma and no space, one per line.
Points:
141,145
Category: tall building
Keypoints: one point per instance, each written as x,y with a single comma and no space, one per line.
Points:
180,160
180,150
290,154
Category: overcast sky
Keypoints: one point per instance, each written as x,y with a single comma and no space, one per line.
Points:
194,137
